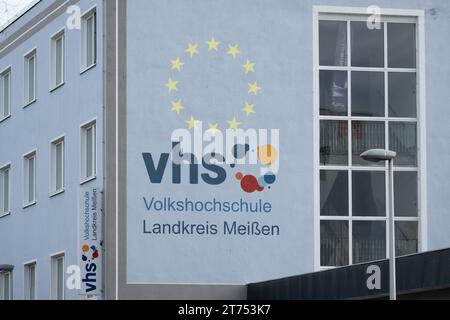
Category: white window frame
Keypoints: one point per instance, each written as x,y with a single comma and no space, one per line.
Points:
91,13
53,76
27,57
83,152
387,15
54,277
53,144
3,169
2,282
5,115
27,202
26,282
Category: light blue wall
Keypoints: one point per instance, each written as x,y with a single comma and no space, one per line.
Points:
51,225
277,35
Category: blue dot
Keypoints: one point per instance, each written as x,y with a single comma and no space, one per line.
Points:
270,178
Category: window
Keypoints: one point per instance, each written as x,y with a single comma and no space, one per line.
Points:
30,179
5,285
88,40
30,77
367,98
57,60
88,152
5,190
57,166
5,94
30,281
57,270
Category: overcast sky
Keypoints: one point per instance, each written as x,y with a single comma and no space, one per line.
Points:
9,8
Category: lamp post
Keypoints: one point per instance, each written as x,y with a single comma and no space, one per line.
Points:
377,155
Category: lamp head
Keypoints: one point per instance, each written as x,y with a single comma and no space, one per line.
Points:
376,155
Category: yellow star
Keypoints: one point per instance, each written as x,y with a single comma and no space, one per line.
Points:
192,49
233,124
171,85
253,88
249,66
177,106
192,123
249,108
213,44
213,128
233,50
176,64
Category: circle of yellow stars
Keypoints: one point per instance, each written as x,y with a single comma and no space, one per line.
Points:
233,52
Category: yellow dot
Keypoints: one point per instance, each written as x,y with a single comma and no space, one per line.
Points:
85,248
267,154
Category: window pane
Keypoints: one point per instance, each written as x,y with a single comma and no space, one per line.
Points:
333,93
369,241
59,61
402,45
369,193
405,194
402,95
368,94
31,78
367,45
59,166
333,43
89,41
89,152
333,243
31,177
403,140
59,278
406,237
334,193
6,94
367,135
6,190
334,142
32,280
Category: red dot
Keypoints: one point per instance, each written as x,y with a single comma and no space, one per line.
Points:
239,176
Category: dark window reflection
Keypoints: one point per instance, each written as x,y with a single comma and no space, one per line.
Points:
402,95
334,243
367,45
368,98
333,93
405,194
406,237
367,135
368,194
334,193
333,43
333,142
402,45
369,241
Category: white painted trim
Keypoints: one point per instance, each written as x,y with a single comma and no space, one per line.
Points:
26,265
363,11
88,123
52,77
25,158
52,191
26,58
53,257
7,166
83,128
86,14
117,152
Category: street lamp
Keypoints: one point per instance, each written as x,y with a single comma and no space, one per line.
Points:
377,155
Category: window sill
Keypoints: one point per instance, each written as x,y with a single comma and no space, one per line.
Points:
29,103
5,118
86,180
55,193
29,205
87,68
57,87
4,215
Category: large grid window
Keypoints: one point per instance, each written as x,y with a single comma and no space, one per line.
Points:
5,94
368,99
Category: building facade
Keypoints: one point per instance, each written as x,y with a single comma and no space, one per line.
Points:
107,94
